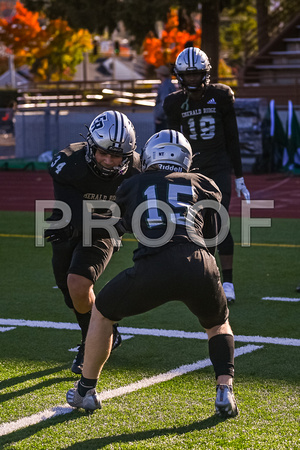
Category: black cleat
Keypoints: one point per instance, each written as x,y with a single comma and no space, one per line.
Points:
78,361
117,339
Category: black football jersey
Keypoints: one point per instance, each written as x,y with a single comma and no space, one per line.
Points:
156,203
209,124
75,181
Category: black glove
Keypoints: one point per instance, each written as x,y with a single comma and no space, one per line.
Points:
59,235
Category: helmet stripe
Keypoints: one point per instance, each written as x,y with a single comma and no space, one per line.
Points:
119,122
174,139
192,57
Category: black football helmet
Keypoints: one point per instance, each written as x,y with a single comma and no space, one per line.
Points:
113,133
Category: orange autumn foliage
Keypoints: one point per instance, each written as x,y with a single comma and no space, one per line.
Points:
158,52
22,33
51,48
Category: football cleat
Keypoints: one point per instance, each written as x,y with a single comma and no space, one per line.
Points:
77,364
229,292
78,361
298,288
117,339
89,402
225,403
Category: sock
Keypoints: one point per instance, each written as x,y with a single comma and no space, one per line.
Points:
85,384
227,275
221,353
83,321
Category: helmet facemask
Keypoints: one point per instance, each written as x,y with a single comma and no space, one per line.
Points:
97,167
192,61
202,79
110,133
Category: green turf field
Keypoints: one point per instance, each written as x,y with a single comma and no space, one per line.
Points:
168,409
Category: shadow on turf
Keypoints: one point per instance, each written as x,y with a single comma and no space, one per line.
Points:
20,435
98,443
31,376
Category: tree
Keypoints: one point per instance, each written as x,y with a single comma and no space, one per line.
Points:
22,35
52,50
140,19
62,53
238,33
262,23
164,50
210,34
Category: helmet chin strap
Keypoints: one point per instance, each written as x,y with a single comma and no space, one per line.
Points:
114,171
194,93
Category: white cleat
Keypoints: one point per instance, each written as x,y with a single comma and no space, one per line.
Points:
225,402
89,402
229,292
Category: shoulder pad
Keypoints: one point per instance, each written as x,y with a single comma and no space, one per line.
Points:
69,163
174,96
136,161
223,90
73,148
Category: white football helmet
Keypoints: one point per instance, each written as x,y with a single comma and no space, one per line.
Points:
169,150
114,133
192,60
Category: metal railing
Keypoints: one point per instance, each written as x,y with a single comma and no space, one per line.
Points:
137,93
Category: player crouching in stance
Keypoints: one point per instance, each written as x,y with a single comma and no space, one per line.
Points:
88,171
167,266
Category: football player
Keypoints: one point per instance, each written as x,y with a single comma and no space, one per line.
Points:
166,87
90,170
205,114
172,262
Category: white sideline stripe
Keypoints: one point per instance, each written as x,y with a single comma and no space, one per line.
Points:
282,299
152,332
3,329
7,428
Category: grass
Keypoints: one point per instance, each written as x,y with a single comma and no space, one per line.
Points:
175,414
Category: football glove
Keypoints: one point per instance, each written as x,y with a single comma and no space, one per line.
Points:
240,187
59,235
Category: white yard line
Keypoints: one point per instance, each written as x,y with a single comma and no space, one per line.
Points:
10,427
3,329
151,332
282,299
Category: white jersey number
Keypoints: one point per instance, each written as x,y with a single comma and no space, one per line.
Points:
174,190
207,127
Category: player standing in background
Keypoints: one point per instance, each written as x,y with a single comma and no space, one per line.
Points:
90,170
177,267
165,88
205,114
